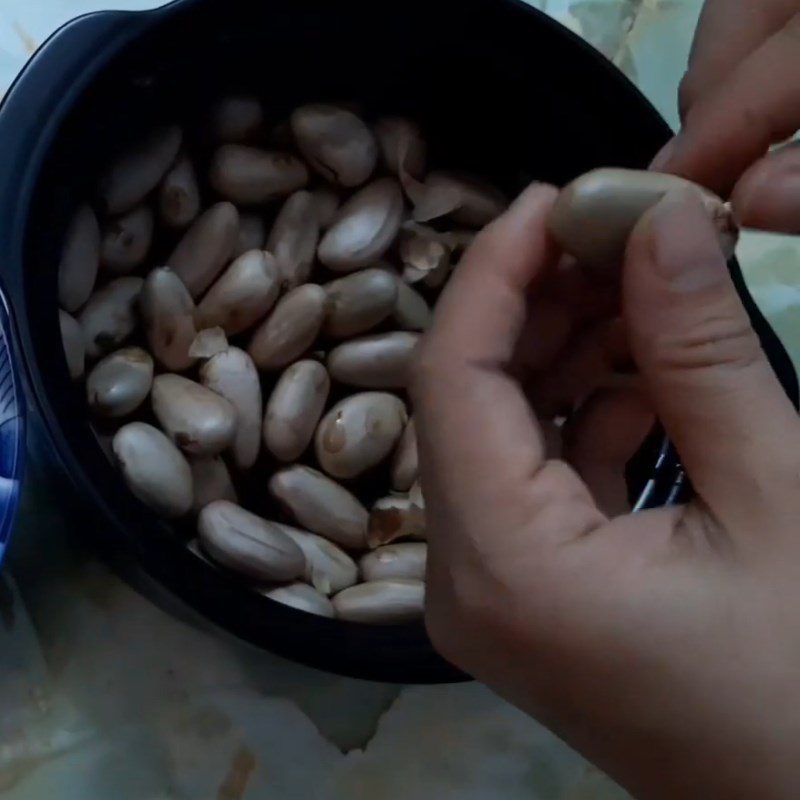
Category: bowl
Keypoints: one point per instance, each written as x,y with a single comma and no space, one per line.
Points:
501,90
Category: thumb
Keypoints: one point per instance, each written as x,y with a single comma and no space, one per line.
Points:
709,380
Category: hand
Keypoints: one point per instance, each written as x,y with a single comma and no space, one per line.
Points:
741,95
576,369
662,645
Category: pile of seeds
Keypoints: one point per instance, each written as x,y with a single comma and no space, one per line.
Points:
246,304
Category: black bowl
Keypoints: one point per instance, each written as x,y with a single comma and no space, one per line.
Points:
501,90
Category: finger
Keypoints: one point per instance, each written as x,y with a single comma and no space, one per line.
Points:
755,107
569,301
481,447
712,386
727,32
587,298
546,334
600,440
768,195
597,358
474,424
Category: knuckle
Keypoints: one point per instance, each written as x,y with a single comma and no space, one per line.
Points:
554,479
722,340
565,521
560,506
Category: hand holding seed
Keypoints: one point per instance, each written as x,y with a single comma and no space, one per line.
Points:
657,643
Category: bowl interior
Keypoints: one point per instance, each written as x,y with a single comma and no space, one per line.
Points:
501,92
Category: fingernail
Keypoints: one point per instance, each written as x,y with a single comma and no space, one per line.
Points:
685,244
524,197
664,155
531,203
